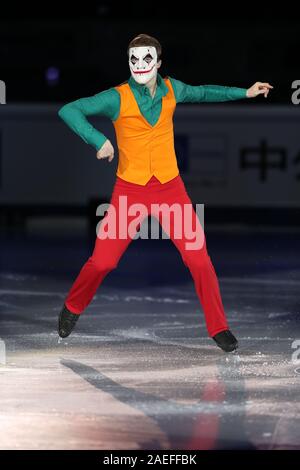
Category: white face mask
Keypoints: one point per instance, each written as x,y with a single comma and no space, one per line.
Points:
143,63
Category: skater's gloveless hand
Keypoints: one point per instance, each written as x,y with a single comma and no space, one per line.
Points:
106,151
259,88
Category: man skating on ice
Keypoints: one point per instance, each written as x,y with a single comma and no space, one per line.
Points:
141,110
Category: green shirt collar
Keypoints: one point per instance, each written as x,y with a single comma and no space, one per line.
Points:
161,90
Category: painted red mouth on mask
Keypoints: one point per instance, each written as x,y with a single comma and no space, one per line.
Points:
144,71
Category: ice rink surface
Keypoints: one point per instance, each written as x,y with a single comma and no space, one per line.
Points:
140,372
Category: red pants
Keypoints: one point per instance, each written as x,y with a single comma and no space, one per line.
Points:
108,251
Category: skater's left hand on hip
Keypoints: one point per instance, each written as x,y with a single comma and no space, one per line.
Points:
259,88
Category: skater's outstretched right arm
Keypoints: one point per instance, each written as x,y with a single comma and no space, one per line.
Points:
74,114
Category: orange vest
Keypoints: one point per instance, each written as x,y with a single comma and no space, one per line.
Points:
145,150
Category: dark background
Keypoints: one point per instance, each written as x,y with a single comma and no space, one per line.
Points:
82,46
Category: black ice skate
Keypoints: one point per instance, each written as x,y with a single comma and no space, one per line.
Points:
66,322
226,341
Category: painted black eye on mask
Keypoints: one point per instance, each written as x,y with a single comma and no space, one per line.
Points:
148,58
133,59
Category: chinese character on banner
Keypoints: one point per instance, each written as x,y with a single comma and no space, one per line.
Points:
264,158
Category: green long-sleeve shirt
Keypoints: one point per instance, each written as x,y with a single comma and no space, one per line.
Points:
107,103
